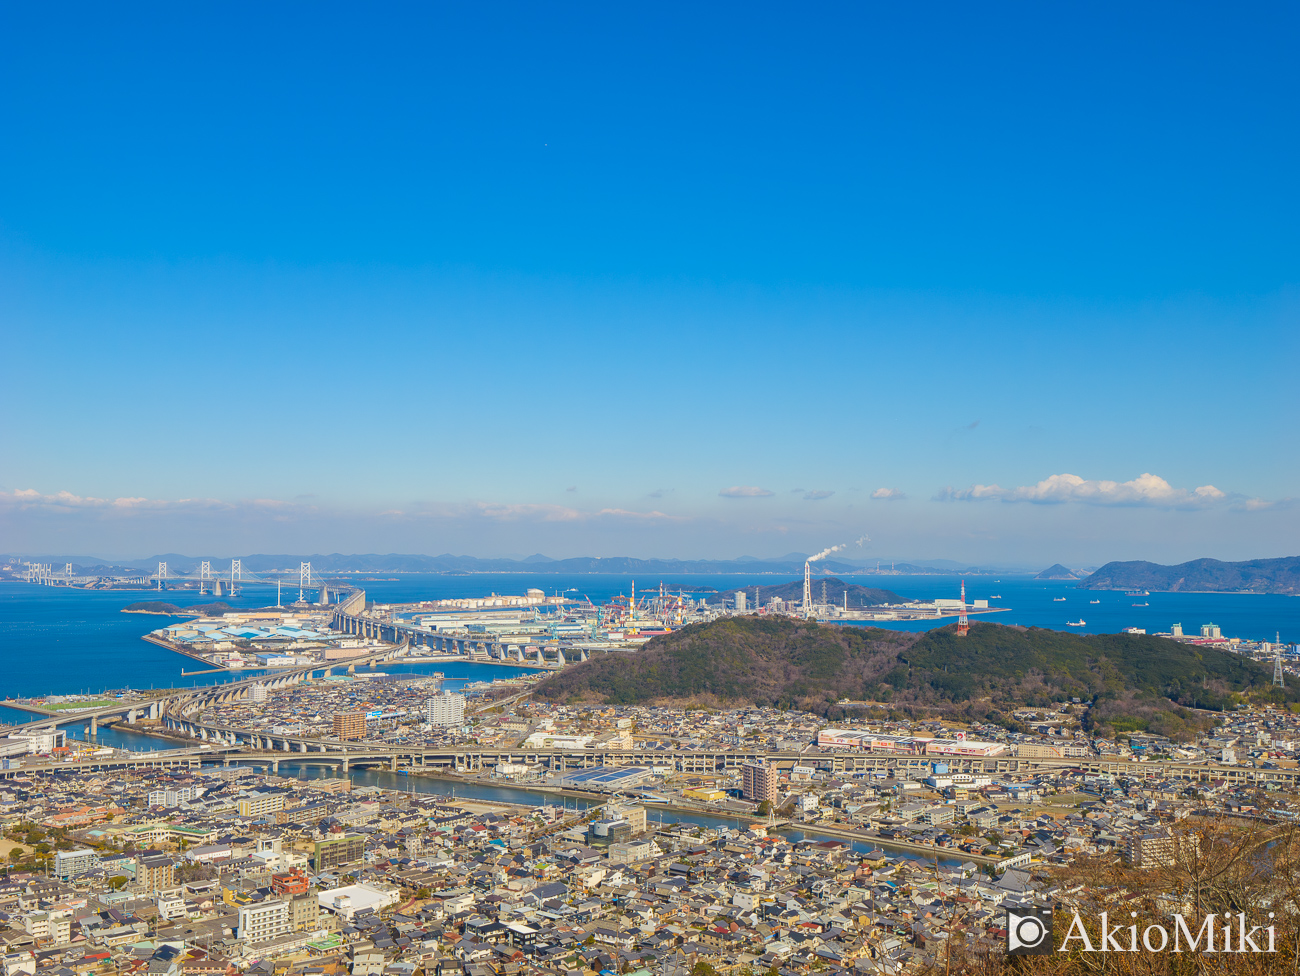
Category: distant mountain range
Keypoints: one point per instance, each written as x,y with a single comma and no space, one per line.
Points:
791,563
1201,575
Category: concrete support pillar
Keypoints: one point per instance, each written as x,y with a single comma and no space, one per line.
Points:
94,727
130,716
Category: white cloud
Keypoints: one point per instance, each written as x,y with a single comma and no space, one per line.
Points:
623,513
30,499
816,496
560,513
1256,504
65,502
1147,489
744,491
888,494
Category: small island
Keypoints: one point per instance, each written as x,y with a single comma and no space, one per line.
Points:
171,610
1057,572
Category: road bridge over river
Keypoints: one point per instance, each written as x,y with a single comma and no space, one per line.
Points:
183,702
273,748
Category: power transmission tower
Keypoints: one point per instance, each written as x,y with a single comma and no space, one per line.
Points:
1278,680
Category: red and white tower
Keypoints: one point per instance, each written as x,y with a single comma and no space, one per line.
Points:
963,627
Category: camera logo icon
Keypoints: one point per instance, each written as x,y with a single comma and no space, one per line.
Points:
1029,934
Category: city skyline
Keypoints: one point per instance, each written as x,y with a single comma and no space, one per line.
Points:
1008,288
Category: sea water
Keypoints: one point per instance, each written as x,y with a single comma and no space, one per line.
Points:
58,640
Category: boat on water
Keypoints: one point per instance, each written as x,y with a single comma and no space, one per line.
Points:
1137,593
1076,623
1094,601
996,596
1058,599
1141,604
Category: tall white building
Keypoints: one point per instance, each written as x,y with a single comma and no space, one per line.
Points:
446,708
171,797
70,864
264,920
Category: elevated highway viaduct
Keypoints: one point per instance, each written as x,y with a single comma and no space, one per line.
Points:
276,748
529,652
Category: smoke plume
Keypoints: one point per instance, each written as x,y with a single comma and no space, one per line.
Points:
826,552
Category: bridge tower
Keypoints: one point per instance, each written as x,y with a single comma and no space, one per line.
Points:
162,574
304,579
205,573
67,569
236,573
963,626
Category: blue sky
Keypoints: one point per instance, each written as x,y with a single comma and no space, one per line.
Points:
999,284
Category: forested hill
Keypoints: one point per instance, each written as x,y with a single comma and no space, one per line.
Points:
1201,575
763,660
783,661
835,590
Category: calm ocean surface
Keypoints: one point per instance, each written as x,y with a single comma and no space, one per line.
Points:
62,641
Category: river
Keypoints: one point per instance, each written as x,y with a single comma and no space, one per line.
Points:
494,793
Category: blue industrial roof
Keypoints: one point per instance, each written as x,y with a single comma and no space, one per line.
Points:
605,774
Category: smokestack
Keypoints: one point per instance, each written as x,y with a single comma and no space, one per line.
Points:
807,586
